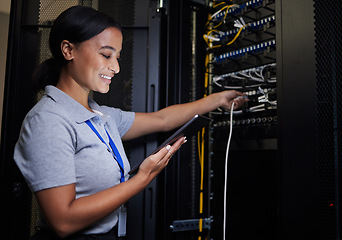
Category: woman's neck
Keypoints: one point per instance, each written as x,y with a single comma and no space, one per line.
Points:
75,91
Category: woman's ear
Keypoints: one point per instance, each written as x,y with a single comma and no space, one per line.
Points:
67,50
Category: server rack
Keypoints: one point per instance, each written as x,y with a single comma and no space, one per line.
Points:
241,55
283,173
292,155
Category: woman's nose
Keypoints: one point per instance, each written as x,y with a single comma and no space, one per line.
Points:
115,67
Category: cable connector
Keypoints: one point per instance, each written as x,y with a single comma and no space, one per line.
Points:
239,23
264,98
212,38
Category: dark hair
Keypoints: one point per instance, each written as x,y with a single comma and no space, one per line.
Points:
76,24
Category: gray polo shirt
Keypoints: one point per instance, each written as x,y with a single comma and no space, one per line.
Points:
56,147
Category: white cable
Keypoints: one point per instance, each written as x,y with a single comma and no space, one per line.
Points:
233,87
242,21
212,38
214,15
226,173
237,77
243,74
254,78
256,107
260,68
259,74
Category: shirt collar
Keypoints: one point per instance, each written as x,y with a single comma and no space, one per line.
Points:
78,112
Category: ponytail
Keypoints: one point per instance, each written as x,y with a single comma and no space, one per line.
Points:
47,73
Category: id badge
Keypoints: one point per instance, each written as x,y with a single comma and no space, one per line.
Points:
122,221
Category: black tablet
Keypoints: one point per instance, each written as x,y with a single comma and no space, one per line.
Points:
188,129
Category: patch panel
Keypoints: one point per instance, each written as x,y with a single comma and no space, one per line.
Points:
247,121
245,71
241,52
238,9
249,26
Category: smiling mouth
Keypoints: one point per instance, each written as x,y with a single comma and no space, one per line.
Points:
105,77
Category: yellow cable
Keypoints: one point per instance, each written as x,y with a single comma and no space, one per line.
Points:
200,137
225,7
206,36
232,41
207,40
218,25
214,6
202,161
200,224
201,153
199,157
236,36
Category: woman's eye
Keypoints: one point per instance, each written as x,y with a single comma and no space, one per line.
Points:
106,56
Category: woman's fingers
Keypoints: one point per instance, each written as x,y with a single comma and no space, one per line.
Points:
157,162
169,150
168,147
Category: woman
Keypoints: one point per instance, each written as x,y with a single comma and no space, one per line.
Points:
68,144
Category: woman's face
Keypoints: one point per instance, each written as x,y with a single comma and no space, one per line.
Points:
95,61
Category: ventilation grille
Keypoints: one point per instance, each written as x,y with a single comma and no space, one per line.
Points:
120,92
328,15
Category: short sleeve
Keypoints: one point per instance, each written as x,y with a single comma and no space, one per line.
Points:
123,119
45,151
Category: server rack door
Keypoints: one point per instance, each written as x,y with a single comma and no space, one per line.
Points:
296,74
310,115
18,99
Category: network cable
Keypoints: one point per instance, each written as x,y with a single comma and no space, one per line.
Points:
254,74
240,24
226,173
201,160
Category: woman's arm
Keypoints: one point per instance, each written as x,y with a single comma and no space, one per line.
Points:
67,215
174,116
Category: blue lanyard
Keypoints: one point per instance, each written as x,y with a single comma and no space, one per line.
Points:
114,151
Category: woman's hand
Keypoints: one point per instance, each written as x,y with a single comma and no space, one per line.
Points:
228,97
155,163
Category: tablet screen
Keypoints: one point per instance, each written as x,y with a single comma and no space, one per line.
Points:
188,129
